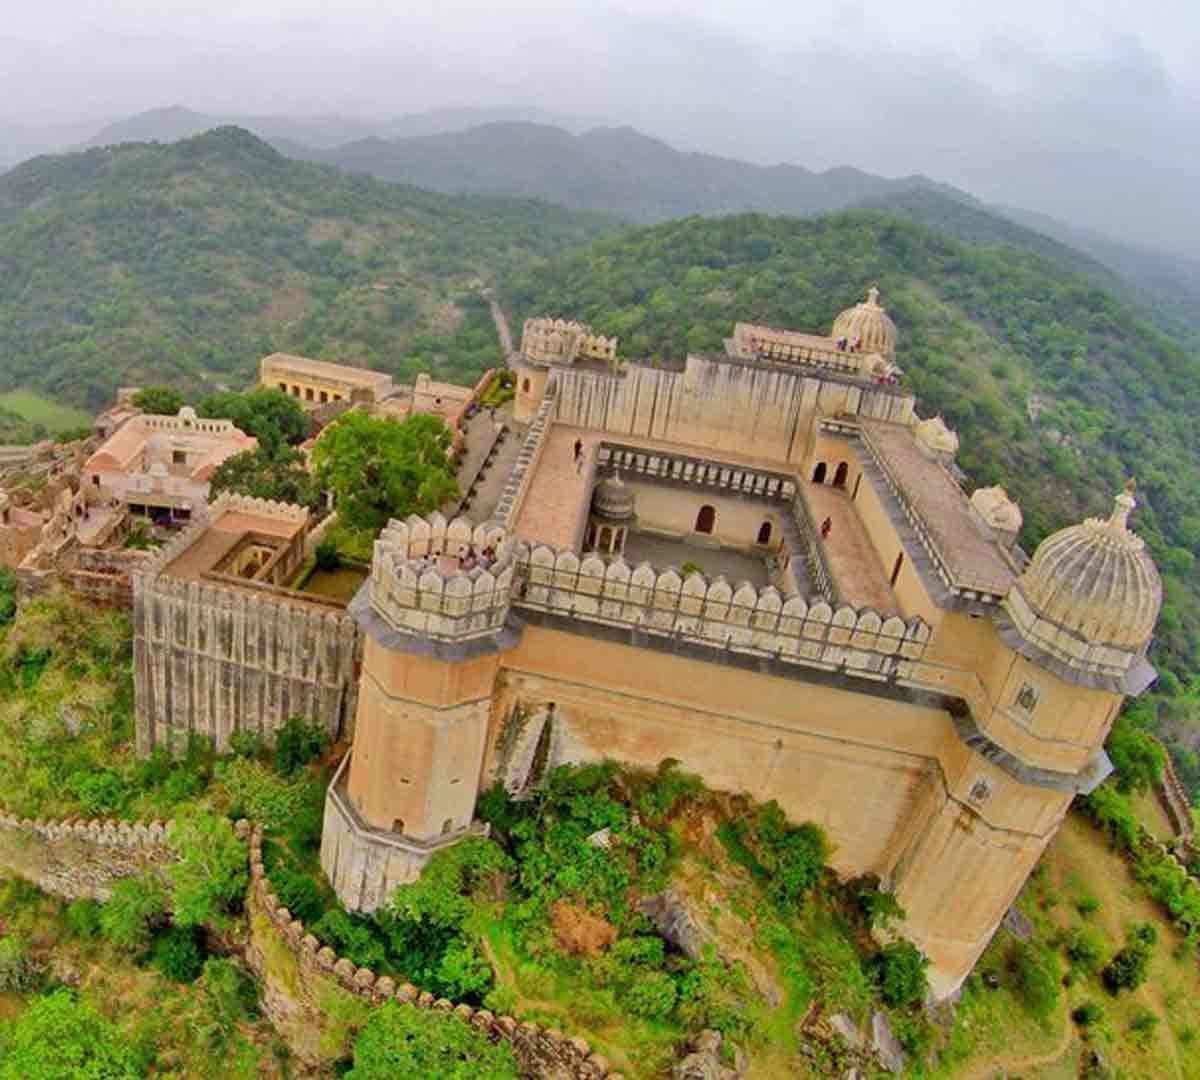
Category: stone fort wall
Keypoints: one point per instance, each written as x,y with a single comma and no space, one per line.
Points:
748,408
80,859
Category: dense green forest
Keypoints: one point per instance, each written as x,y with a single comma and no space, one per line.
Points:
1059,390
186,263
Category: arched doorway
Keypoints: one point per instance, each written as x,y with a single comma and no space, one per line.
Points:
706,519
839,476
764,533
819,473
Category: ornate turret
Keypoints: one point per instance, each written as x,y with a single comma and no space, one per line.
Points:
867,327
1087,603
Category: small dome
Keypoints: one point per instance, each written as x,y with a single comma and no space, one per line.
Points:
1095,581
933,435
186,412
867,327
612,500
997,509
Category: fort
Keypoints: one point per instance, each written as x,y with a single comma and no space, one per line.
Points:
761,563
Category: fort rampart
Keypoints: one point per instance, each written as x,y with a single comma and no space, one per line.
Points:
77,859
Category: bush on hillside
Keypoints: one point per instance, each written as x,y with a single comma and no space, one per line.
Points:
900,972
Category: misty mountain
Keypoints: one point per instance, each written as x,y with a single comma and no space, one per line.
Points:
175,122
187,262
614,170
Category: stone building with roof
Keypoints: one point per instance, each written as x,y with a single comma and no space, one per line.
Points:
161,465
762,564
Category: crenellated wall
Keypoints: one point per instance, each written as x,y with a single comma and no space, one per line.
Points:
714,612
77,859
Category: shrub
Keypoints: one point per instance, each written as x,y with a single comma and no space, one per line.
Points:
1085,948
398,1040
298,893
230,991
178,952
877,907
327,556
1110,809
353,937
1035,969
1137,756
19,972
100,792
60,1036
83,918
900,971
1087,1013
135,906
297,742
159,400
651,994
1143,1024
1087,905
209,877
1129,968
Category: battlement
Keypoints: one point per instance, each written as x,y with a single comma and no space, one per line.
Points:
557,341
188,422
446,580
717,613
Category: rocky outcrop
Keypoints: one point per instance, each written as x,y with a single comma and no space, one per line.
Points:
703,1060
676,924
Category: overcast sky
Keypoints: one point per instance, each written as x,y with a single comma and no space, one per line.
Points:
998,98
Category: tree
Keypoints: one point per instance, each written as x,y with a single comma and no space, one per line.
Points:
380,469
274,418
58,1037
265,475
210,874
159,400
400,1040
1137,756
136,904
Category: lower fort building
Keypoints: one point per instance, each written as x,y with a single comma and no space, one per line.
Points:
761,564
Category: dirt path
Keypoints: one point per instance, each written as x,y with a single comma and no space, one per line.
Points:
502,329
998,1067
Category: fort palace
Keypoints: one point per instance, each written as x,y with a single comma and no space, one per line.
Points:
760,563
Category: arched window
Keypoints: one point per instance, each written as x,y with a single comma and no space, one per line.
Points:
447,826
525,386
398,825
839,476
706,519
819,473
764,533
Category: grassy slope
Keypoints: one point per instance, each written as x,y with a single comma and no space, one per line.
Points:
188,262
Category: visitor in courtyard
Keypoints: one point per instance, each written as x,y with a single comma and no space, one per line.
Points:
578,449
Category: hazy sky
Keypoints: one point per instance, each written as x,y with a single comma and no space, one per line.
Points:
987,96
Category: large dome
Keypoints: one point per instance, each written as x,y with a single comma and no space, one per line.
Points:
1090,596
868,326
612,500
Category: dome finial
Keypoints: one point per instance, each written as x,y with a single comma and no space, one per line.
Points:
873,296
1123,505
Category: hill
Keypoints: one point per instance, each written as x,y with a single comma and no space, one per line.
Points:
614,170
186,263
1059,389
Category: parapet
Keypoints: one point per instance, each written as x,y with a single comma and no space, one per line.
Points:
442,580
556,341
717,613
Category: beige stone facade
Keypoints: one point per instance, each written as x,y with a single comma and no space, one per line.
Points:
319,382
862,642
